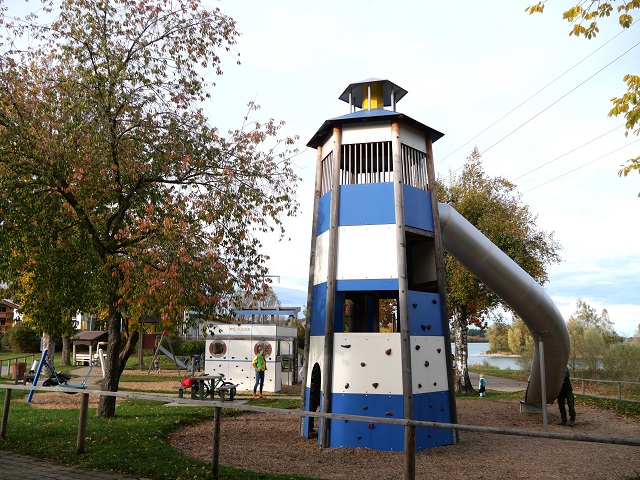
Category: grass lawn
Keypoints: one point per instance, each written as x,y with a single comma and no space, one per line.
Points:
133,443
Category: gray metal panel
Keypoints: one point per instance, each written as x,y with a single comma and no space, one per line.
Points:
521,292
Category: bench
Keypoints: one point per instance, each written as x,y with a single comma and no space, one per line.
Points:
229,389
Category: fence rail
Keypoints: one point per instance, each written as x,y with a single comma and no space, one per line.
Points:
14,360
409,456
619,383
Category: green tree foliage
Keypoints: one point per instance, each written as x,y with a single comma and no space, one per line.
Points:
622,362
494,207
584,18
102,137
591,336
21,338
497,334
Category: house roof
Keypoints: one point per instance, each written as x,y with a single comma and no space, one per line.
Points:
91,335
9,303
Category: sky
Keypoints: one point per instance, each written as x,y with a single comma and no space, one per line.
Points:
465,65
531,98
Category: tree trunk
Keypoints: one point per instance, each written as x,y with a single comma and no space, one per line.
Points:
116,360
50,344
66,350
461,328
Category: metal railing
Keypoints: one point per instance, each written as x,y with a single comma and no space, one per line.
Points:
409,455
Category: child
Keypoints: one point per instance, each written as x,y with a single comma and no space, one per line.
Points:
483,385
156,365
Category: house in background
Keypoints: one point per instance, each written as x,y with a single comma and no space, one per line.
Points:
7,314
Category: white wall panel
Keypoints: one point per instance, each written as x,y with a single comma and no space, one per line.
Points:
367,252
360,133
316,355
322,258
413,138
370,350
432,378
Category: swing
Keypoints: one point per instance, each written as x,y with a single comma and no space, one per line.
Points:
59,379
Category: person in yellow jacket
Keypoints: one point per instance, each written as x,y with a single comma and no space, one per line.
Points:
260,365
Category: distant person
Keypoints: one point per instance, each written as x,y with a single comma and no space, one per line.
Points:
196,357
566,394
260,365
482,386
156,365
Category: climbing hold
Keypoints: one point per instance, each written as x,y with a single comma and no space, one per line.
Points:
435,383
428,327
388,351
423,327
419,385
371,425
345,346
415,305
388,414
375,385
430,405
434,301
359,437
426,363
364,407
428,435
442,409
417,347
346,385
362,364
439,350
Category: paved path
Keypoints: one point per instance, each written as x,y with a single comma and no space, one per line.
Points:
16,466
498,383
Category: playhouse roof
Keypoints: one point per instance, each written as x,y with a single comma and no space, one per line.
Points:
91,335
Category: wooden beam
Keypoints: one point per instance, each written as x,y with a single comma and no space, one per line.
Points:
215,454
82,423
5,413
332,266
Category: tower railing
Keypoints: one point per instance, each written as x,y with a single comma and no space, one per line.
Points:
372,162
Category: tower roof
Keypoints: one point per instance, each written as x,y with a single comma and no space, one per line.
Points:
366,116
358,91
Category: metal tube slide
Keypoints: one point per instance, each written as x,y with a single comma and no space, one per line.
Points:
521,292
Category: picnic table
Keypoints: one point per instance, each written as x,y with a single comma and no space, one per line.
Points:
207,385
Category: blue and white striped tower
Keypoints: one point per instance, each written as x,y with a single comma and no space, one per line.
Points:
375,248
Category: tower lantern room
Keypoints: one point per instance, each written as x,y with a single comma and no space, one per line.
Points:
378,337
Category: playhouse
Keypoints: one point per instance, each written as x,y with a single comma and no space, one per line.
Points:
233,347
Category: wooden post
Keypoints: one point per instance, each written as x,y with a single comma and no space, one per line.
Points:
5,412
312,265
403,305
215,454
82,423
332,265
442,286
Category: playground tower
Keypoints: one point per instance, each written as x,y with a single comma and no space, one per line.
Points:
378,340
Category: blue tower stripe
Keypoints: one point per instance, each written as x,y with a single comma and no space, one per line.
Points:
417,208
425,314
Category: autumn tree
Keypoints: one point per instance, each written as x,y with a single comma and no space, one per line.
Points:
584,19
100,115
591,335
494,207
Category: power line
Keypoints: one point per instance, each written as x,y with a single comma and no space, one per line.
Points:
532,96
567,153
582,166
562,97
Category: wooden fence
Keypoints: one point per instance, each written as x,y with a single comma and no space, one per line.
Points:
618,383
14,360
409,456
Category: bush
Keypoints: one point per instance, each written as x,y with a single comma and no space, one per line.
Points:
191,347
21,338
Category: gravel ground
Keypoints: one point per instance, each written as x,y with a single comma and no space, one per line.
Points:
270,443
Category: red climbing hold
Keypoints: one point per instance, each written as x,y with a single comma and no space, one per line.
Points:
388,351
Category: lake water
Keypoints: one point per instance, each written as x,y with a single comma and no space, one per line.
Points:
477,355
